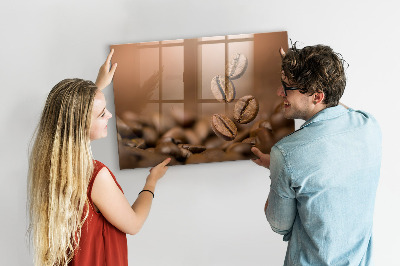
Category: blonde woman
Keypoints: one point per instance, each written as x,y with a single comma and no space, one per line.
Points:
78,212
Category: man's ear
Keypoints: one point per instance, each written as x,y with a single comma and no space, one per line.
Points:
318,97
282,53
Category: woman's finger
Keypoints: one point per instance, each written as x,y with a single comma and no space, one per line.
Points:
113,68
166,161
110,56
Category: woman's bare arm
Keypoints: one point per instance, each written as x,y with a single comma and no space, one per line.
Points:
114,206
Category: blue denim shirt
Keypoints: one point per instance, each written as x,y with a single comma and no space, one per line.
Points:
324,178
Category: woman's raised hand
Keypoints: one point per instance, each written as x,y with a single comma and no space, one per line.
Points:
158,171
106,74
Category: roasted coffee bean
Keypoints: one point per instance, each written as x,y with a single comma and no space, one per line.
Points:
259,124
221,91
223,127
241,148
155,159
233,156
251,140
136,127
211,155
150,149
214,155
237,66
184,119
197,158
202,129
282,132
150,136
241,135
265,124
169,139
185,153
129,116
246,109
264,140
278,121
213,142
134,143
127,159
193,148
192,137
177,133
124,130
162,123
169,148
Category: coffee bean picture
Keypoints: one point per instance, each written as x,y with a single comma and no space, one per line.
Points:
246,109
237,66
223,127
222,92
196,101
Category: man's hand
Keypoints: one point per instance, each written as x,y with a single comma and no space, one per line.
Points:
263,159
106,74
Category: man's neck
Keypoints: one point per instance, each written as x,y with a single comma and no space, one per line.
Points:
318,108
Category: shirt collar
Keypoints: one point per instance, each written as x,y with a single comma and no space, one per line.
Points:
326,114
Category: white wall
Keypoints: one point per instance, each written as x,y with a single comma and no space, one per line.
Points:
202,214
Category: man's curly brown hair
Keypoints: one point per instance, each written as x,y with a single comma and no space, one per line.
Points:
316,69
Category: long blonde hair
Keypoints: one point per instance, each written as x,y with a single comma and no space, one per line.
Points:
60,167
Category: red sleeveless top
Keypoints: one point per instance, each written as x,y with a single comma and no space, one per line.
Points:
101,243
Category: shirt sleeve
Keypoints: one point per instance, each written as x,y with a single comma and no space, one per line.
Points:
281,210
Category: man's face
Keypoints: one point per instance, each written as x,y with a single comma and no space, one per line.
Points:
296,104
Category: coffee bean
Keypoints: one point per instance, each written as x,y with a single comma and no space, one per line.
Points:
162,123
192,137
264,140
202,129
278,121
221,91
169,148
177,133
282,132
214,155
241,135
155,159
237,66
251,140
223,127
184,119
169,139
134,143
193,148
233,156
246,109
150,136
241,148
196,158
126,158
185,153
135,126
213,142
129,116
124,130
266,124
